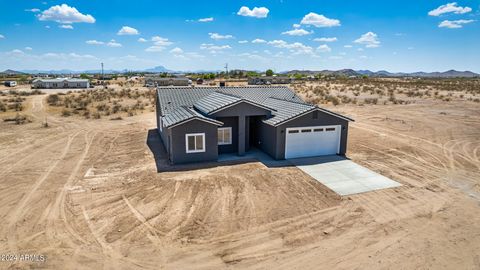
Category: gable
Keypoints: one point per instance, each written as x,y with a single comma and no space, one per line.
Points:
243,107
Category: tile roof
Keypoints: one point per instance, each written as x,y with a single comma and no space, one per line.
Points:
215,101
184,113
286,109
284,102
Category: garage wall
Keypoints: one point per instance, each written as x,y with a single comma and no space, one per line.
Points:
178,148
323,119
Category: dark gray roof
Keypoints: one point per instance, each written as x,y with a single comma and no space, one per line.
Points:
285,110
184,113
284,103
215,101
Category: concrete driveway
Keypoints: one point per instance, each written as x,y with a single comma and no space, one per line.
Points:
342,175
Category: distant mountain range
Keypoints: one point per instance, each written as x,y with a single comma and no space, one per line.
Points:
343,72
383,73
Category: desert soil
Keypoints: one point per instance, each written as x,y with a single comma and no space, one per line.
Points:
86,193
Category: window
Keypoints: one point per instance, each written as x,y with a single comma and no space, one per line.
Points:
195,143
293,131
224,135
330,129
306,130
318,130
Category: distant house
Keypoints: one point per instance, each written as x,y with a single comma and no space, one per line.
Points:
60,83
197,124
269,80
160,81
10,83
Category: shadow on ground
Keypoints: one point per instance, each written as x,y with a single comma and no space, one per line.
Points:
162,162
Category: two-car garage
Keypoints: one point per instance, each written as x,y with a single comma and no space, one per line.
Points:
312,141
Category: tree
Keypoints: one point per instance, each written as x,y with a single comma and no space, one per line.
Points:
84,76
269,72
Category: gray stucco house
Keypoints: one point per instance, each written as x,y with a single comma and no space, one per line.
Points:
199,123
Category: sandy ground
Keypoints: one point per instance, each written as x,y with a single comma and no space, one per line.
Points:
86,194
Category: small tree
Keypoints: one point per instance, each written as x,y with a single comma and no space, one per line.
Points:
269,72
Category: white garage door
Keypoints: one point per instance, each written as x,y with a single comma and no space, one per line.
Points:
312,141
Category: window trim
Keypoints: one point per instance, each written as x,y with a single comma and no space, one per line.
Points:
195,135
230,137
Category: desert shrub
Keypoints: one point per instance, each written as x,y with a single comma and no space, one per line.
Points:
96,115
116,118
371,101
3,107
18,119
66,112
53,99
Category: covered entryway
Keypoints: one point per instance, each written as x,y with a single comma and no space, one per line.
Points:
312,141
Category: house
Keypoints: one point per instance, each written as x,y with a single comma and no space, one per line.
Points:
10,83
60,83
199,123
159,81
267,80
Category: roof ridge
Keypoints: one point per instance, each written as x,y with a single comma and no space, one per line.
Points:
293,101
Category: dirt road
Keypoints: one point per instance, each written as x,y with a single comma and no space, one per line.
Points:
86,194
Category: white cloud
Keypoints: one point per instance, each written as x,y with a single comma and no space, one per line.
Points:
325,39
2,36
319,20
243,41
127,31
208,46
335,57
159,44
66,26
295,48
94,42
449,8
348,46
16,52
360,49
209,19
112,43
296,25
142,40
259,40
47,26
176,50
257,12
297,32
28,48
160,41
324,48
217,36
65,14
34,10
155,49
454,24
369,39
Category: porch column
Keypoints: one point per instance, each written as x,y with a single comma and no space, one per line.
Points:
241,135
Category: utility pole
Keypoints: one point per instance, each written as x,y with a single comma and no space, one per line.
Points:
102,75
226,70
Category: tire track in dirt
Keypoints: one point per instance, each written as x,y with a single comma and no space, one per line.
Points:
18,211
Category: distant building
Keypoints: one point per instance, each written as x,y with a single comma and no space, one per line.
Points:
159,81
269,80
60,83
10,83
199,81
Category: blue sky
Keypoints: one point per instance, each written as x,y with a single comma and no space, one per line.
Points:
290,34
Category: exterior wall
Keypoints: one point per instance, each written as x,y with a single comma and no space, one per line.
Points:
233,123
60,84
266,138
178,151
241,112
324,119
166,82
269,80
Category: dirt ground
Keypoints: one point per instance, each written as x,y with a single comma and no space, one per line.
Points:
86,194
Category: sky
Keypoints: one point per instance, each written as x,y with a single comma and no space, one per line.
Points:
391,35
